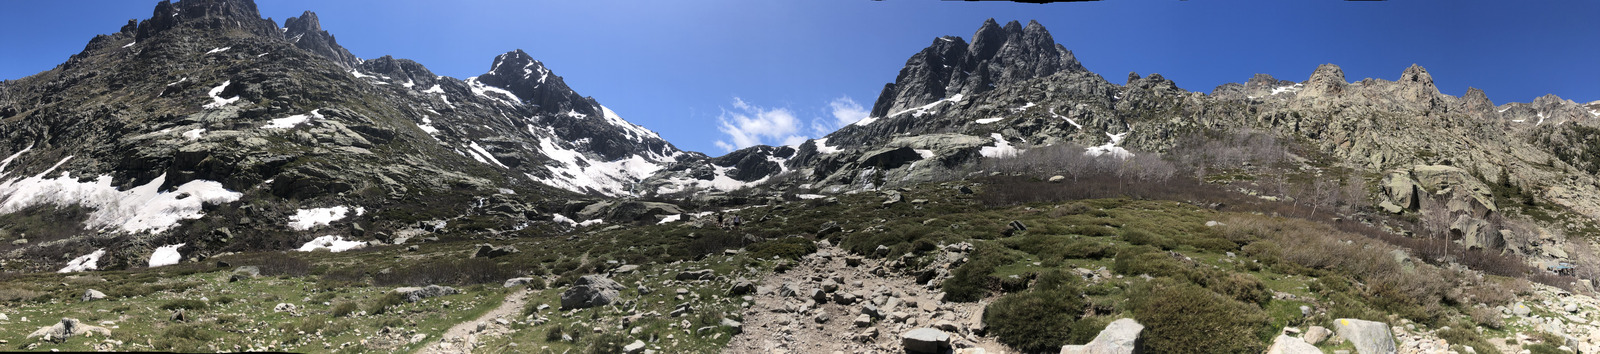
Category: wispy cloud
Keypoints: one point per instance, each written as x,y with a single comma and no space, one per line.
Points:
749,125
844,111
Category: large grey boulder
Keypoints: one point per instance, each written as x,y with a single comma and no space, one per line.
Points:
1285,344
514,282
590,291
93,295
702,274
67,328
1316,334
925,340
484,250
1120,337
1368,337
414,294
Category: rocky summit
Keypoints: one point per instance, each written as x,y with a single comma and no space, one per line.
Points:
210,180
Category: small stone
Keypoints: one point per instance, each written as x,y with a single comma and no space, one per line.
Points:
863,320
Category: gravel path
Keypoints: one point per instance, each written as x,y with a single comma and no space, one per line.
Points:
463,337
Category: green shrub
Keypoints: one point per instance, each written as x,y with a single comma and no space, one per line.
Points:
973,280
1086,249
182,338
343,309
1091,230
1239,286
787,247
184,305
1468,337
1141,237
1184,318
383,303
1035,321
553,334
1085,329
1156,264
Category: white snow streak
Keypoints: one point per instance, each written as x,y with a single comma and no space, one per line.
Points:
291,121
84,263
217,101
305,219
331,243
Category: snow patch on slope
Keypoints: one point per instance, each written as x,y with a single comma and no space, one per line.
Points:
140,209
823,148
305,219
291,121
1001,148
575,171
166,255
1111,148
331,243
84,263
218,101
478,150
498,94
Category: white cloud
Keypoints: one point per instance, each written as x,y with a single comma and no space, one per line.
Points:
844,111
748,125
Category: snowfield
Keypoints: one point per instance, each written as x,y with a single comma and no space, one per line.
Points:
137,210
305,219
331,243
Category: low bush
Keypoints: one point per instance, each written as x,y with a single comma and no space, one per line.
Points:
383,303
1148,261
184,305
1141,237
1184,318
1040,320
343,309
786,247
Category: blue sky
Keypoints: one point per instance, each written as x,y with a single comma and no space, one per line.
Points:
714,74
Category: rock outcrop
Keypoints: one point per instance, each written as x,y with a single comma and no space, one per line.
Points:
590,291
1368,337
1120,337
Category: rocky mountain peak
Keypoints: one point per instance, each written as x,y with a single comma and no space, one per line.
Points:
1476,101
307,22
211,14
306,32
998,55
401,70
1416,74
535,85
1326,81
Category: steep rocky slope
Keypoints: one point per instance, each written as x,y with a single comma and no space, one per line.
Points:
267,125
956,105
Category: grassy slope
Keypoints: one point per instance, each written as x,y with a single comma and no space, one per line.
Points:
1173,234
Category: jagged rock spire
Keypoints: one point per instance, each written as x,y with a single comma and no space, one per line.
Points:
998,55
306,32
